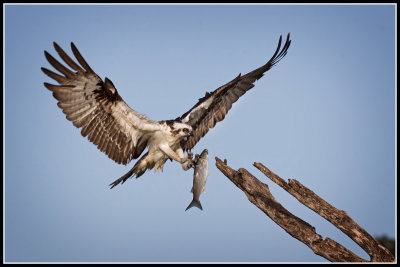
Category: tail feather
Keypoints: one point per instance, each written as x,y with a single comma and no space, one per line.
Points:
123,178
138,170
194,203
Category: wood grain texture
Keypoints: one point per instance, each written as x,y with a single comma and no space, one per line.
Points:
259,194
338,218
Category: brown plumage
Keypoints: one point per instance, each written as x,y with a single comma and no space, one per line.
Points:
203,116
91,104
123,134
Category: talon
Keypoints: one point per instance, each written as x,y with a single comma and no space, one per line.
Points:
185,166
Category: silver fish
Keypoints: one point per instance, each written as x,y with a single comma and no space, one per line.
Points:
199,179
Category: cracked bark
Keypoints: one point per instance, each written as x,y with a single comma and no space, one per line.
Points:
258,193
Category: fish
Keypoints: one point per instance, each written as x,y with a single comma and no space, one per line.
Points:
200,177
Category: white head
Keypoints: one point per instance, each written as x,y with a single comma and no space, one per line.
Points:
181,129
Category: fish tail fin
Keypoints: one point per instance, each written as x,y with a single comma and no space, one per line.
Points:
194,203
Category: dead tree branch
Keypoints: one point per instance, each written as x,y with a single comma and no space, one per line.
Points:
258,193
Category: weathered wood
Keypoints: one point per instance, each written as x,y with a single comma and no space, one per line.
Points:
338,218
258,193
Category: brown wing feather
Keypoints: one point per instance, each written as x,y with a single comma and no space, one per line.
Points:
213,107
96,107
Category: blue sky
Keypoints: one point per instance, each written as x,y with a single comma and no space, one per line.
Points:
324,115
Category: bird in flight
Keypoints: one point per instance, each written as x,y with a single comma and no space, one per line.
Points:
122,133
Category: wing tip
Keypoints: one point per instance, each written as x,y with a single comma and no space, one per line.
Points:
49,86
80,58
46,54
280,53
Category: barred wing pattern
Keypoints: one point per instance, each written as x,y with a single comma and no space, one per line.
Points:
96,107
213,107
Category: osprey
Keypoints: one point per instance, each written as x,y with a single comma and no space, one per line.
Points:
122,133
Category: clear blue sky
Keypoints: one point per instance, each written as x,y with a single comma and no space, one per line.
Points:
324,115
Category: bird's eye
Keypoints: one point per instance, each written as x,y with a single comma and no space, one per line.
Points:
185,130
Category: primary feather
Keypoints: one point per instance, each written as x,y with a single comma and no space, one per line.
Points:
94,106
213,107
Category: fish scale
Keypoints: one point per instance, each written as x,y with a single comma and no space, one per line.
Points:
200,176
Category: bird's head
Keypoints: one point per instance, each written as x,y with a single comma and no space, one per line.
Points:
182,129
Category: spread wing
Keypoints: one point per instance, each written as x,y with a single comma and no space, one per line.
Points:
96,107
213,107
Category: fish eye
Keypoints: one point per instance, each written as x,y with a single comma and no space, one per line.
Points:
185,130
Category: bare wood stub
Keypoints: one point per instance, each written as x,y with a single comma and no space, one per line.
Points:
338,218
258,193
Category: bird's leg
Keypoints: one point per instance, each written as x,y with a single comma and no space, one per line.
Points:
185,165
190,163
196,158
170,153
